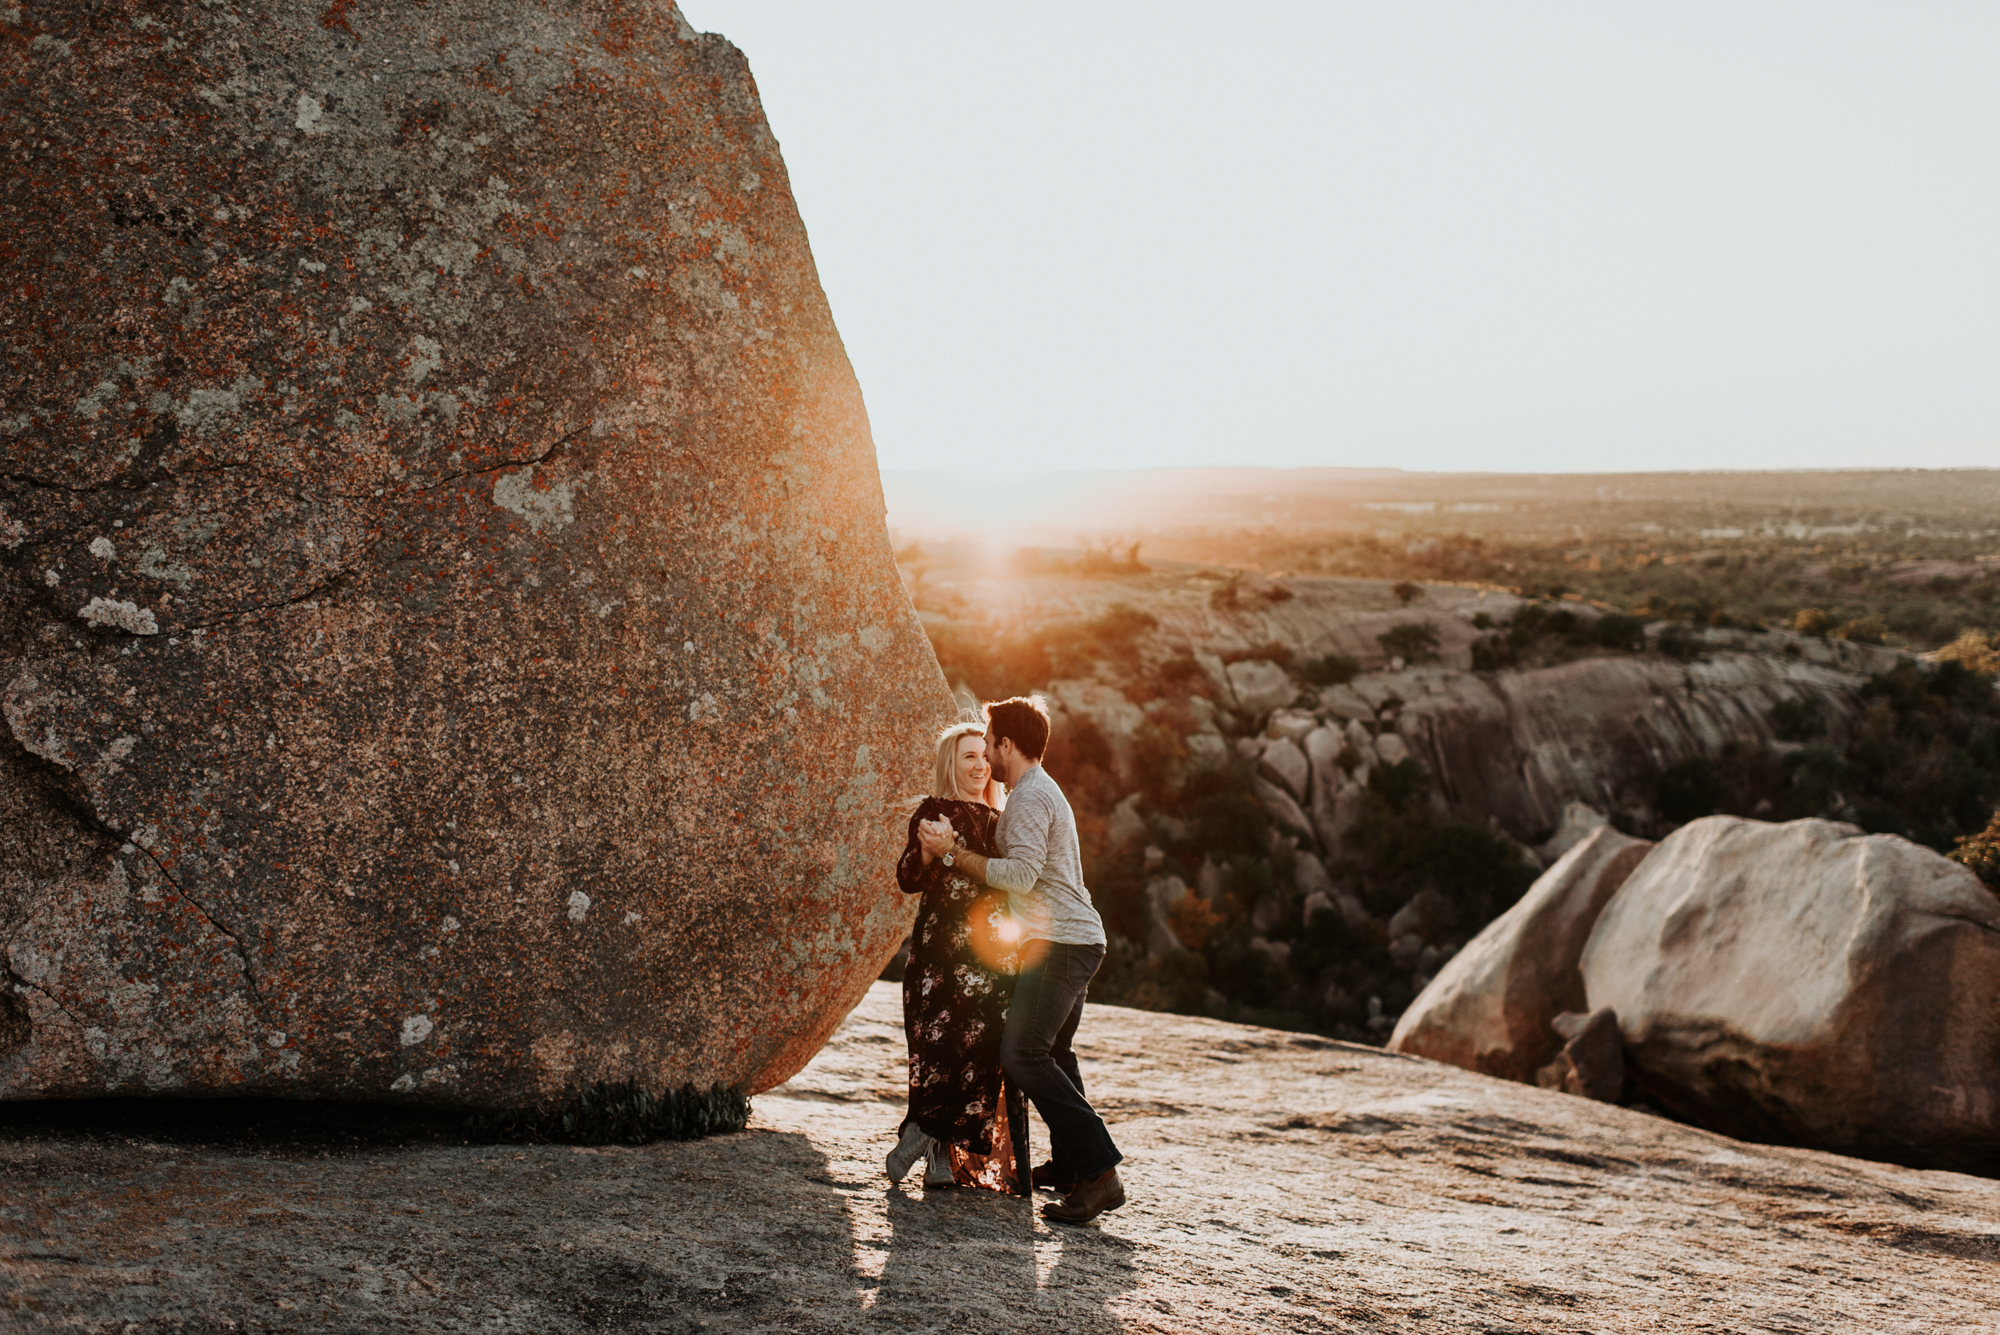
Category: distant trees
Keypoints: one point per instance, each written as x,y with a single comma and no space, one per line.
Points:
1974,651
1862,630
1922,762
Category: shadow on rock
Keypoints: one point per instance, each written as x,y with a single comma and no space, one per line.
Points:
738,1233
284,1127
968,1261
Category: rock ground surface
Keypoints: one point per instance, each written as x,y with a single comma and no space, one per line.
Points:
441,549
1278,1182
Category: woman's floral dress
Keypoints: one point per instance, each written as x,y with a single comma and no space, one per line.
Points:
956,987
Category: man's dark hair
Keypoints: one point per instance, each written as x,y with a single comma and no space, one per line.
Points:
1024,720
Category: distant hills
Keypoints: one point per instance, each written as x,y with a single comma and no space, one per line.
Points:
1062,507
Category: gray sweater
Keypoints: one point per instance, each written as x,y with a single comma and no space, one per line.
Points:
1042,870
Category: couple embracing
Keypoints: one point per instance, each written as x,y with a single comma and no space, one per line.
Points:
1005,944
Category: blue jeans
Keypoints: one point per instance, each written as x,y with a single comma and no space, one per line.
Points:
1035,1053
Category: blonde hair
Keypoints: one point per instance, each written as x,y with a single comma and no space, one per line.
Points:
944,783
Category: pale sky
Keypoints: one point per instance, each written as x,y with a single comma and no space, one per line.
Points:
1452,236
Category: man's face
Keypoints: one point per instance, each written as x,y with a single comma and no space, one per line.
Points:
1005,757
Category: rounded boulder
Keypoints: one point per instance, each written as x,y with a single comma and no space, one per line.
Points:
449,643
1810,984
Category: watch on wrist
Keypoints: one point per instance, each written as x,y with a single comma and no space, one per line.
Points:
947,859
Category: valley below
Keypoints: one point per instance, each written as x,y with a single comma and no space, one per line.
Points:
1300,795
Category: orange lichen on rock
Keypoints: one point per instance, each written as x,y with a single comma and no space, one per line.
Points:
431,503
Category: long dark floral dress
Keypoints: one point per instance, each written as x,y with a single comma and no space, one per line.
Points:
956,988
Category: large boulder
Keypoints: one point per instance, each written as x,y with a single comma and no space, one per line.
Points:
1492,1006
449,642
1285,764
1811,984
1260,686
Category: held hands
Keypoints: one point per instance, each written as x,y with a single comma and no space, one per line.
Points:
936,837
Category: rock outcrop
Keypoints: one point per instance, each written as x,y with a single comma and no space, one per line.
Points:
1278,1182
1807,983
1492,1006
449,642
1521,746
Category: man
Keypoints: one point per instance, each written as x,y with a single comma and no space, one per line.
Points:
1062,943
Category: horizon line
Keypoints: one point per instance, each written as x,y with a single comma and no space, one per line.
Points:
1421,472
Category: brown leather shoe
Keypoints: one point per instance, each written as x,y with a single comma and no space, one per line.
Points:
1045,1178
1089,1200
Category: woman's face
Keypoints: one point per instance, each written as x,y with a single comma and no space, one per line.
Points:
972,768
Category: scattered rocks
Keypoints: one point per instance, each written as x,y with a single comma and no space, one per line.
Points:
1391,749
1808,983
1491,1006
1592,1061
1283,809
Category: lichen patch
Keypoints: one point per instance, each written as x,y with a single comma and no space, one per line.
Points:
550,507
106,613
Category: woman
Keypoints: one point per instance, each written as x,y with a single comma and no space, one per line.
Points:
968,1126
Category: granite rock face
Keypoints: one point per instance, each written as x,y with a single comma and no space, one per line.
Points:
1524,745
449,644
1811,984
1492,1006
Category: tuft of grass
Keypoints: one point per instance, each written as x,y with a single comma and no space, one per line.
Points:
624,1113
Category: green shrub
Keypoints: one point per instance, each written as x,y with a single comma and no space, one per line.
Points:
1974,651
1615,630
1117,880
1413,642
1689,790
1981,852
1797,720
1270,650
1680,643
1327,669
1075,648
1177,981
1181,675
1243,976
1401,784
1490,653
1862,630
1813,782
1224,811
1159,757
